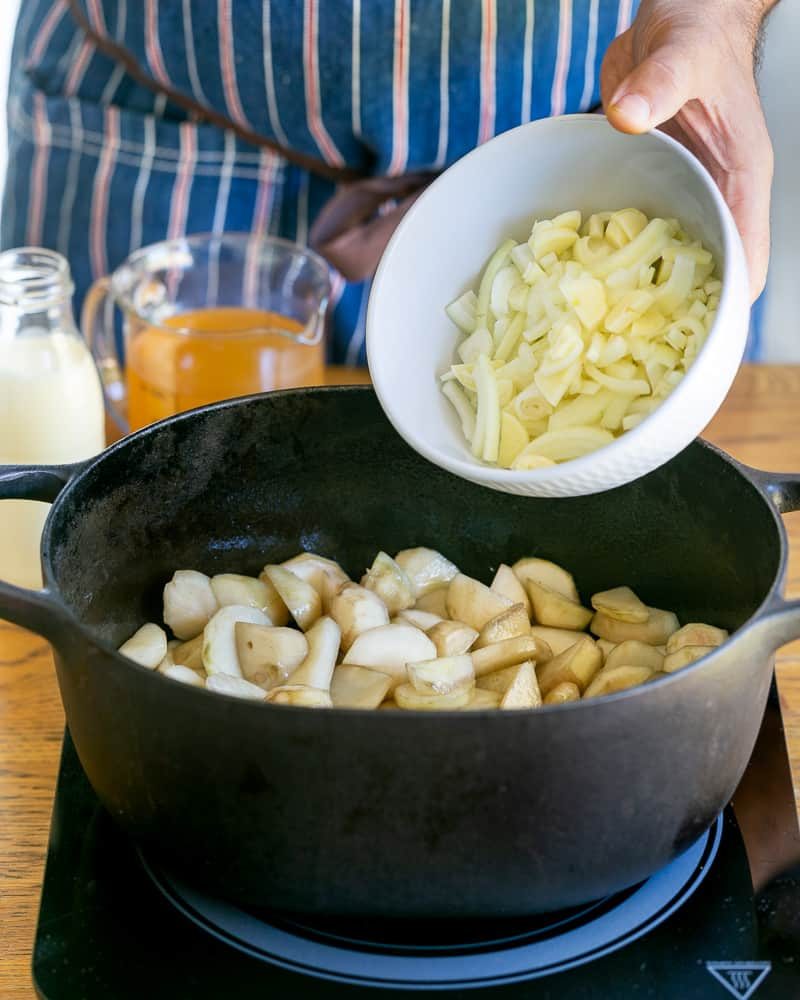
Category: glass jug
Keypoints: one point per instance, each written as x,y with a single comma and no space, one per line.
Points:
206,318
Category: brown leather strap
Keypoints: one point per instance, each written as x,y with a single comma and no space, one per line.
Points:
131,65
351,231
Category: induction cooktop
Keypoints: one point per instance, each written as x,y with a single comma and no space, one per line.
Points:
721,920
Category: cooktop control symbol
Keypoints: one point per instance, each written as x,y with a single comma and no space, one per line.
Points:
740,979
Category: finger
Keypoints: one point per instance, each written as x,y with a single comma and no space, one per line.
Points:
737,152
654,91
747,193
617,63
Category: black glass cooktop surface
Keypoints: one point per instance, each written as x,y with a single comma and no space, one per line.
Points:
721,920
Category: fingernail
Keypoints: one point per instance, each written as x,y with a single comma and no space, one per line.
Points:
634,109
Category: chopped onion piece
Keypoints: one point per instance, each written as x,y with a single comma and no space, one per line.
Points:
477,343
554,387
461,405
496,261
527,460
631,421
510,337
576,335
580,411
569,443
462,311
678,285
504,281
522,256
627,387
488,422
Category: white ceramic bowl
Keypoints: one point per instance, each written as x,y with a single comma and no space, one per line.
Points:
496,191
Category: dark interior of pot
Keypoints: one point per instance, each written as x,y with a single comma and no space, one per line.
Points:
234,487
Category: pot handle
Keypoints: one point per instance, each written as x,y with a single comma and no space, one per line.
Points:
37,610
780,618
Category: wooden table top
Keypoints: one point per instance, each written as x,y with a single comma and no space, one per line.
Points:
758,425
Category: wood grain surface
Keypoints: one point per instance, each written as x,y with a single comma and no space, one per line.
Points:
759,425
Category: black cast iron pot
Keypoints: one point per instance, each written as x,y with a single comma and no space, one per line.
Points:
397,813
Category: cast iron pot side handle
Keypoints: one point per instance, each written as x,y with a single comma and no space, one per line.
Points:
780,619
36,610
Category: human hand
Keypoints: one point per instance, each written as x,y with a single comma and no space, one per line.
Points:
690,68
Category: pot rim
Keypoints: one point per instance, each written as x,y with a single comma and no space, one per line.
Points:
617,697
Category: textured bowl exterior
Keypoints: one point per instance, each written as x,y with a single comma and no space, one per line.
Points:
548,166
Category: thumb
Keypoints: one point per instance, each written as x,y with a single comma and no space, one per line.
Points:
654,91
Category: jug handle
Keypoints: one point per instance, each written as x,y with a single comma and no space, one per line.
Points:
97,323
40,611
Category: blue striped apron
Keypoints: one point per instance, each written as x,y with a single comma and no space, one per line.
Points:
100,165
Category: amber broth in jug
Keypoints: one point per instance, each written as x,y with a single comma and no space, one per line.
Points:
220,353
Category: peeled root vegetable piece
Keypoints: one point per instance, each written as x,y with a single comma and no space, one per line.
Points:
147,646
547,574
472,602
169,662
499,680
553,609
177,672
621,604
611,679
481,699
302,600
325,576
358,687
189,602
406,696
434,602
508,624
236,687
562,693
558,639
441,676
452,638
684,656
655,631
423,620
391,583
299,696
219,638
576,665
523,691
268,654
606,647
507,584
357,610
190,653
389,648
426,568
316,669
232,588
696,634
633,653
509,653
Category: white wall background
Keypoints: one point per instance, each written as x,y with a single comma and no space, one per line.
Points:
779,89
